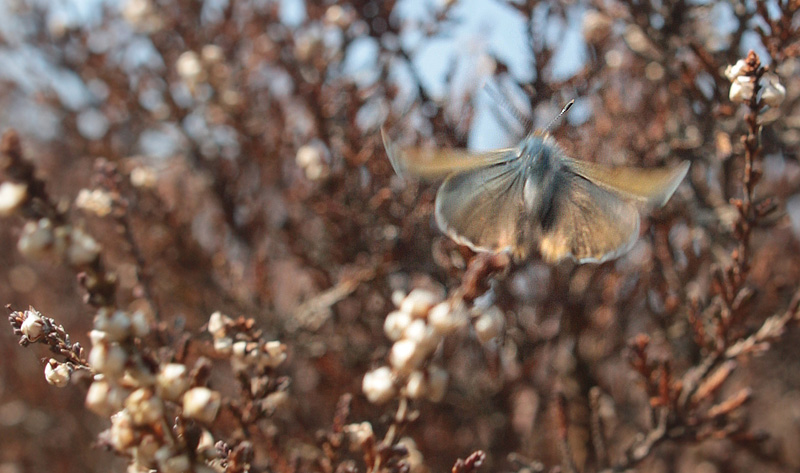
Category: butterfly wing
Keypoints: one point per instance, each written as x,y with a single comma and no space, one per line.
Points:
651,187
483,208
582,210
430,164
586,221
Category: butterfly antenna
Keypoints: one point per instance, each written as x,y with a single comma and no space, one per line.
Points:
558,117
509,124
505,103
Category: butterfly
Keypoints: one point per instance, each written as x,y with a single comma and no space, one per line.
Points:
533,197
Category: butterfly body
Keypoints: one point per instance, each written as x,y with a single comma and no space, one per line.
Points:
534,197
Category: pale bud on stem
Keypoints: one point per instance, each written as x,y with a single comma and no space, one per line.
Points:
56,373
201,404
378,385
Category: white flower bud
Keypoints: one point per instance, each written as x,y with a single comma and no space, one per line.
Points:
143,177
189,67
97,337
741,89
95,201
419,302
415,459
104,398
445,319
773,92
172,381
310,159
276,353
358,434
336,15
734,71
212,53
437,383
240,349
116,325
378,385
57,373
83,249
307,155
423,335
416,331
201,404
489,324
12,196
122,432
108,358
33,326
416,386
405,355
217,324
397,297
253,354
144,407
97,398
223,346
37,239
395,323
206,446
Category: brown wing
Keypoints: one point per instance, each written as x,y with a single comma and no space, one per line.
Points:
431,163
652,187
483,208
586,222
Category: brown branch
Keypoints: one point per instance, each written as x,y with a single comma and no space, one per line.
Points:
470,464
562,422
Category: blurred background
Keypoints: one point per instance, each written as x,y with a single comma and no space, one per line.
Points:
248,133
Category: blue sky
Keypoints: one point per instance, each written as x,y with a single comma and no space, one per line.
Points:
480,29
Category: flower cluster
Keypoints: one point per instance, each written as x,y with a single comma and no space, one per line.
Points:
138,394
32,327
417,327
253,359
235,339
98,201
149,402
43,239
140,397
743,85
